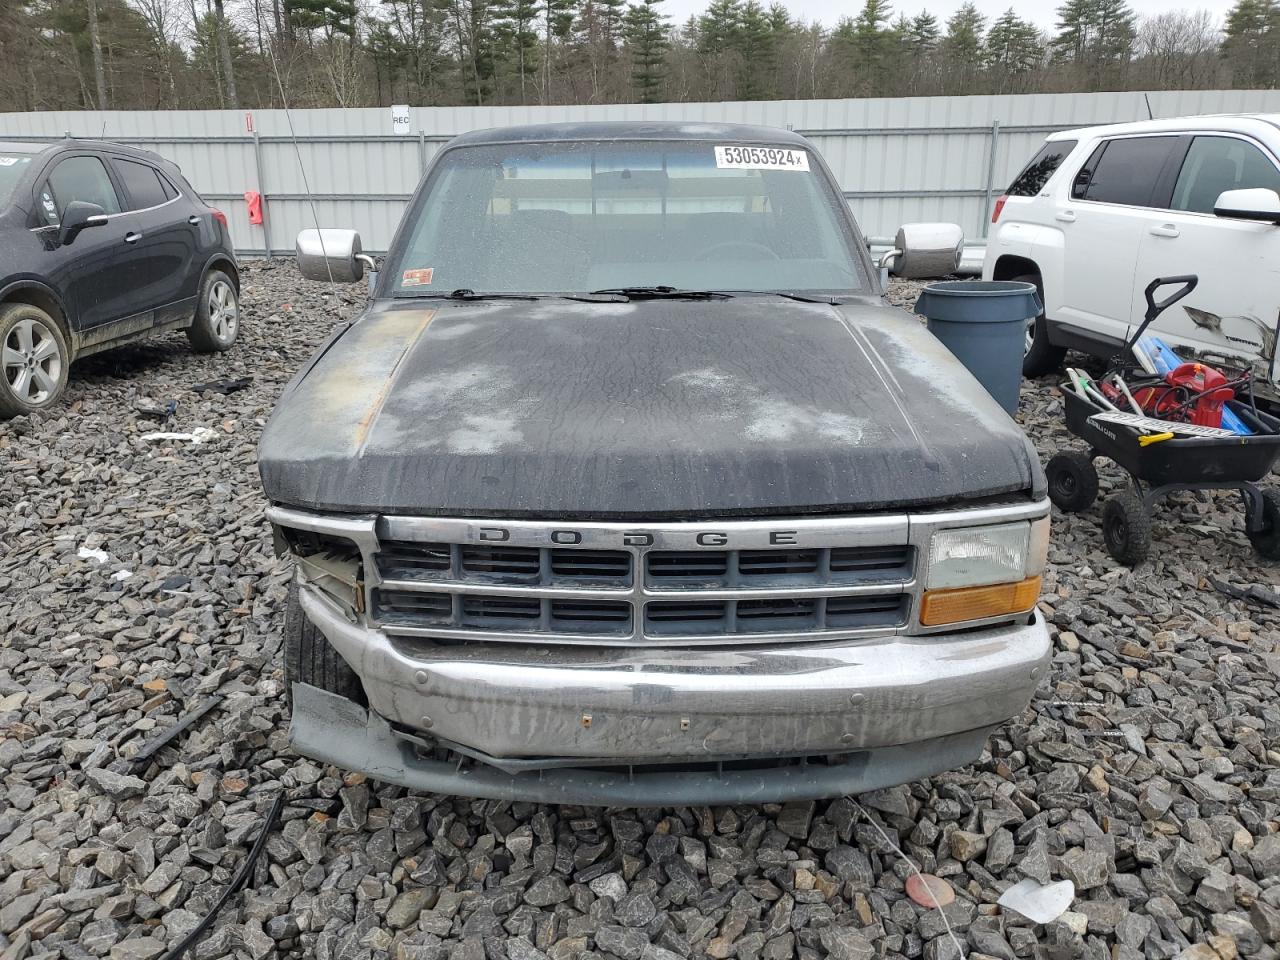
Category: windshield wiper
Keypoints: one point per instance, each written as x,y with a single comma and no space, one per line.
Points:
790,295
466,293
463,293
662,293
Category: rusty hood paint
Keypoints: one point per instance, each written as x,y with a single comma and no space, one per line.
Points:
754,405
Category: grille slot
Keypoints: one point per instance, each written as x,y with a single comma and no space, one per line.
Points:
862,560
772,563
693,611
408,608
501,562
689,565
781,608
591,564
591,616
866,611
477,609
405,560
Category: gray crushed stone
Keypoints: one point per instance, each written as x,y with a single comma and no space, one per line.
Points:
1146,770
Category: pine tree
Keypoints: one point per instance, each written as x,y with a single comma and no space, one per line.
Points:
962,46
557,21
922,33
1012,45
756,53
718,27
1252,45
516,34
1115,30
645,31
1094,32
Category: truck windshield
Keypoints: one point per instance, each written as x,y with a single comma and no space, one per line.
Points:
579,216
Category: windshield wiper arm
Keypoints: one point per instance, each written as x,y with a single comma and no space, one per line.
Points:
466,293
790,295
663,293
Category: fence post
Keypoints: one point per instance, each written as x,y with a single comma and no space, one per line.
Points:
422,153
991,176
262,189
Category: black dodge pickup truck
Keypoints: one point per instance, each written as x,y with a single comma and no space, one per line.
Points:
629,488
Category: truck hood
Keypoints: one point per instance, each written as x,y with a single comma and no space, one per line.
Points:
655,409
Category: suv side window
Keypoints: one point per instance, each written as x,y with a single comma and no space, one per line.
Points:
1041,167
1216,164
1123,171
142,183
77,178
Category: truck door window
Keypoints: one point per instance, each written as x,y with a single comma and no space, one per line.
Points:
1042,166
142,183
1216,164
1123,171
77,178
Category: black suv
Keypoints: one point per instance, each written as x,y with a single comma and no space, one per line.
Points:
101,244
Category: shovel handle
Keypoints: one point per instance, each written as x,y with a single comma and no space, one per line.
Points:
1154,308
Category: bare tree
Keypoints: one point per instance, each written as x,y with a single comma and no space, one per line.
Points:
162,20
224,54
1178,49
95,41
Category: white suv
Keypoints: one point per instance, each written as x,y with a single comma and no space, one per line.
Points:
1100,212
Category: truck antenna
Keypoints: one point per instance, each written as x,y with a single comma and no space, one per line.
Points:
306,183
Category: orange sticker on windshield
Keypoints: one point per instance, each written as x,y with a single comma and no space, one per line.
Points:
416,278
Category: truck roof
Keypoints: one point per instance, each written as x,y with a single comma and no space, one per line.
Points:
1229,122
630,130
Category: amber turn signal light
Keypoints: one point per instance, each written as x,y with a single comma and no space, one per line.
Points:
978,603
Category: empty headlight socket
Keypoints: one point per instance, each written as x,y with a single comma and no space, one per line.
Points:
327,561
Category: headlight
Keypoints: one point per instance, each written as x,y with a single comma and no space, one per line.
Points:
976,573
975,556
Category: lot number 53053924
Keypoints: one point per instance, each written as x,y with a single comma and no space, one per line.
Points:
761,158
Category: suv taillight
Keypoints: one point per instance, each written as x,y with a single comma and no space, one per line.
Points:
222,217
995,214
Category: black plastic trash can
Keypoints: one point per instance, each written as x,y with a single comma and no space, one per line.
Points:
984,323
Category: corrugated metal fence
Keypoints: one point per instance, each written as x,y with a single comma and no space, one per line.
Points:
897,160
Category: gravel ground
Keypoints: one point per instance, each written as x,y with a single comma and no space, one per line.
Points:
1147,770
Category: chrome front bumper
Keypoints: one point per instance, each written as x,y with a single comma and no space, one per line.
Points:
525,711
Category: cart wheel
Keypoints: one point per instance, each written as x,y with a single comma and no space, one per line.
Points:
1073,482
1267,540
1127,528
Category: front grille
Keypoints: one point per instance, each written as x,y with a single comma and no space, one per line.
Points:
673,584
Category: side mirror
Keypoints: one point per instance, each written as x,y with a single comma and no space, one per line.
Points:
1257,203
925,250
78,216
331,254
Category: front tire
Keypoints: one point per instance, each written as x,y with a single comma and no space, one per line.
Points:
34,360
1039,356
217,321
309,658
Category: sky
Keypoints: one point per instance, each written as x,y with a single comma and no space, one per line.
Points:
1041,12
